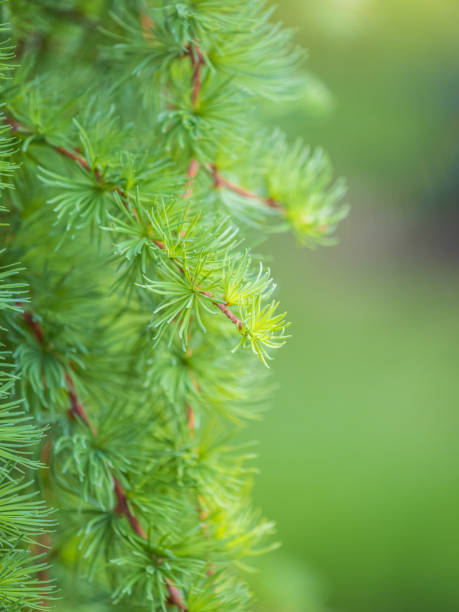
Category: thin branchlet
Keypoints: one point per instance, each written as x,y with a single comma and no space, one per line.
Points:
197,62
77,410
191,174
221,182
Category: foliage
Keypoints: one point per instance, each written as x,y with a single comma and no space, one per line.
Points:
23,516
137,200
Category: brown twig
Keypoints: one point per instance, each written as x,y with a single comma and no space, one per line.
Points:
34,326
122,509
175,598
197,62
77,409
71,155
16,126
224,309
191,418
220,181
192,172
122,506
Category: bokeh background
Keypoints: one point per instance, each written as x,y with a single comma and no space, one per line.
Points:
359,455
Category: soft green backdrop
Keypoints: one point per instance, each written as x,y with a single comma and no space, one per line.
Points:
359,455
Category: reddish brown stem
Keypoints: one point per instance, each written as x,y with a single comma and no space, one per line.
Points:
192,172
80,160
197,61
147,24
220,181
71,155
175,599
191,418
77,410
34,326
16,126
225,310
122,509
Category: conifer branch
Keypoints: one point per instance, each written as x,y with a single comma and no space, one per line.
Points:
219,180
122,506
76,408
192,171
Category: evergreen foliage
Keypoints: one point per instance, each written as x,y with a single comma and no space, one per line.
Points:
23,516
140,320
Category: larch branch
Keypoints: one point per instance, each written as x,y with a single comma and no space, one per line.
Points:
122,507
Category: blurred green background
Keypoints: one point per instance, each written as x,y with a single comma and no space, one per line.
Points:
359,455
